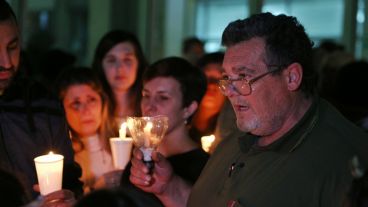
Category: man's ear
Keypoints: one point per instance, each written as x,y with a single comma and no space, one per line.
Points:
189,110
293,75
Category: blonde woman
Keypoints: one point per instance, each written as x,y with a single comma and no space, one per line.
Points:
86,110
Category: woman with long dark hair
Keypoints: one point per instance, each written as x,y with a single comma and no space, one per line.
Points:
120,63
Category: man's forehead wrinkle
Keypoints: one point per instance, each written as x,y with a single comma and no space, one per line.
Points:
242,69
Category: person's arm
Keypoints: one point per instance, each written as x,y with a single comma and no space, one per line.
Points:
176,193
172,190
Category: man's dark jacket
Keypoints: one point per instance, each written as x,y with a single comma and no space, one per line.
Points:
32,123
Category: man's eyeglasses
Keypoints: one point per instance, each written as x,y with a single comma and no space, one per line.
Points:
241,85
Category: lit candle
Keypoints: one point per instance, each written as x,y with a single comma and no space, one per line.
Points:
122,130
147,134
49,170
121,150
207,142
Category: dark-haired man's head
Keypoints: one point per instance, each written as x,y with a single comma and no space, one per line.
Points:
9,45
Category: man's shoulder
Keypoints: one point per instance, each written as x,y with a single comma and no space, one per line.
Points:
26,94
229,143
333,121
21,87
338,135
36,91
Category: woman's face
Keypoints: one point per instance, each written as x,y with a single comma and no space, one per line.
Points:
213,98
83,108
162,96
120,66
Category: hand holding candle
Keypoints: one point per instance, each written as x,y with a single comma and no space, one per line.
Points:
147,133
49,170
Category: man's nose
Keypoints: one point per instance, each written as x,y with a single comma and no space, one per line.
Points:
231,91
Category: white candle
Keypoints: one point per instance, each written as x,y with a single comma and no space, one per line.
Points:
122,130
207,142
147,134
121,151
49,170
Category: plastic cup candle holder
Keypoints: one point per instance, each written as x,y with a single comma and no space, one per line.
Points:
49,170
147,133
121,148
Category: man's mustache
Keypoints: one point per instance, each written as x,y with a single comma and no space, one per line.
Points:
2,69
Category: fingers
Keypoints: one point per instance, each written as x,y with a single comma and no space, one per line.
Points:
60,195
61,198
138,168
137,153
139,173
158,158
138,164
140,181
160,161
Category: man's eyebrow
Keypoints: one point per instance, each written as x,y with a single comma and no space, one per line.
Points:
243,69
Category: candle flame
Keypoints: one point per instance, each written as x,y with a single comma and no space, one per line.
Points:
148,126
123,125
207,142
147,132
51,153
122,130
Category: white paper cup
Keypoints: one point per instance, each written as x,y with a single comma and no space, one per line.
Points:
121,149
49,172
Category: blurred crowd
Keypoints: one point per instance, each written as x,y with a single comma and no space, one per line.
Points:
96,99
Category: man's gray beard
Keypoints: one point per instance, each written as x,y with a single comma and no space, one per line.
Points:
248,127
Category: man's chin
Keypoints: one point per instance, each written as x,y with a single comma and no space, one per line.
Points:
241,127
4,84
247,126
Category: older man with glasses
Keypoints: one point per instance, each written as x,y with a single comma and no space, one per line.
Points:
297,149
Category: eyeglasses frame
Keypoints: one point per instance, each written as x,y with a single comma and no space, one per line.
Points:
229,82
